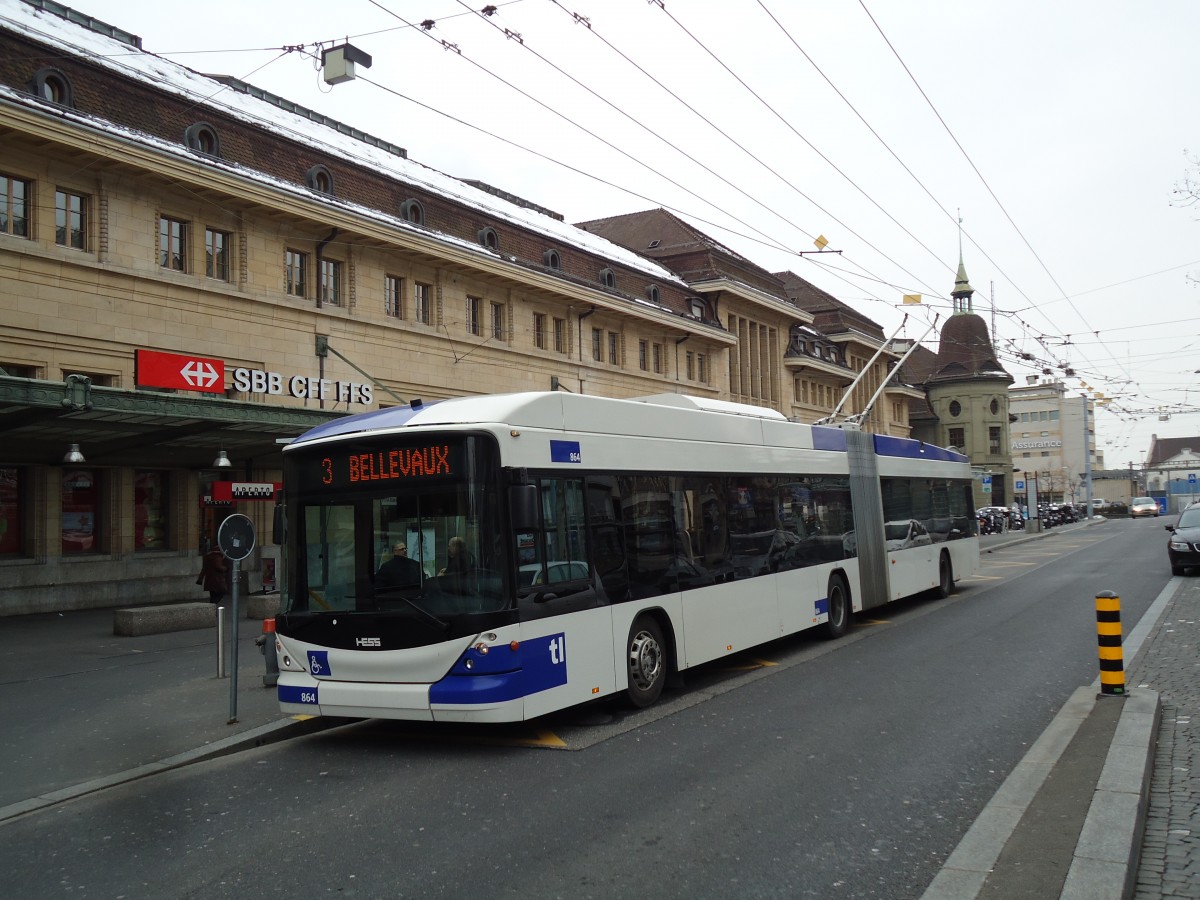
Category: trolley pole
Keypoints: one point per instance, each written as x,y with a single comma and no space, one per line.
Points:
1108,637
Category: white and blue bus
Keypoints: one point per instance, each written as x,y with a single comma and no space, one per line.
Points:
563,547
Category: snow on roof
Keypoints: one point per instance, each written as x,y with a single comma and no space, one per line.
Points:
195,87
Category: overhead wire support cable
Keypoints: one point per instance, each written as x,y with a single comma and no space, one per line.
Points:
987,186
827,160
631,157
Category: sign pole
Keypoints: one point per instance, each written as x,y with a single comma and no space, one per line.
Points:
233,642
235,537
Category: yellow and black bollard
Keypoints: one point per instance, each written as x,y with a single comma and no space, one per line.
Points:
1108,637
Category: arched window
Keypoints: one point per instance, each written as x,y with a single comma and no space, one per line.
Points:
551,259
608,278
203,137
51,84
412,211
652,293
320,179
488,238
955,408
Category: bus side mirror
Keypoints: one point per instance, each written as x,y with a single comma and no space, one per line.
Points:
523,506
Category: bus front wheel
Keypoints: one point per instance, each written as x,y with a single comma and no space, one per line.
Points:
647,660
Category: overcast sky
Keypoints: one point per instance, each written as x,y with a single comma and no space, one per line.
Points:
1058,129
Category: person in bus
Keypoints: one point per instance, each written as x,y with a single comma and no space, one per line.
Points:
457,561
399,571
214,575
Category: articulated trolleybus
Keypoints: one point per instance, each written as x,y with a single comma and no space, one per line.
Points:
496,558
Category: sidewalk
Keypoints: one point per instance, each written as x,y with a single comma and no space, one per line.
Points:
85,709
1106,804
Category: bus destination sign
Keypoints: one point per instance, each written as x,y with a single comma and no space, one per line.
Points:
411,463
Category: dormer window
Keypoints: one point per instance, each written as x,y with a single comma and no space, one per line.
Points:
696,306
653,245
608,278
319,179
551,260
51,84
202,137
652,293
488,238
412,211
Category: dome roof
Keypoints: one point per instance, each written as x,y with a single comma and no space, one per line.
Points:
966,351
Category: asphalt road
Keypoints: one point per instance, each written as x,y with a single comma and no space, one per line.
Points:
804,769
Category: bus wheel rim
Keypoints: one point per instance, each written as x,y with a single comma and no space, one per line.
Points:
645,660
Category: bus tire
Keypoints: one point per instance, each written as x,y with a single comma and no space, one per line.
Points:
646,659
945,576
838,622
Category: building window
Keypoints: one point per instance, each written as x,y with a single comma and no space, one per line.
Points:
80,512
560,335
995,406
320,179
52,85
994,440
216,254
473,314
14,206
412,211
657,355
172,243
498,321
614,348
422,300
690,360
203,138
597,344
70,219
393,296
1054,415
955,408
295,267
652,293
331,282
643,364
12,512
958,438
1024,417
150,509
539,331
551,260
608,278
488,238
701,368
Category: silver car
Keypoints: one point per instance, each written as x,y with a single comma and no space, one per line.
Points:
1143,506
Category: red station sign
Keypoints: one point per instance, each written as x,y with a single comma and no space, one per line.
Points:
184,373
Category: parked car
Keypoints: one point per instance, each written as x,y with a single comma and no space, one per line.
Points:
1143,506
558,571
1183,548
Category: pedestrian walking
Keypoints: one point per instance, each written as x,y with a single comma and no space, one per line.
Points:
214,575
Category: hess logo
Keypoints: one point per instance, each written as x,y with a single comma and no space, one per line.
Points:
368,642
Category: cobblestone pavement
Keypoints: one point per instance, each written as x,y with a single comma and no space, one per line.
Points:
1170,664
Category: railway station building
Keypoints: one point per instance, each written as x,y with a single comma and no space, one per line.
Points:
194,271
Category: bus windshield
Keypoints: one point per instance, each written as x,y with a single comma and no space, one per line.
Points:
395,524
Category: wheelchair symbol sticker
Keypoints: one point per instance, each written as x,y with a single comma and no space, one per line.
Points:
318,663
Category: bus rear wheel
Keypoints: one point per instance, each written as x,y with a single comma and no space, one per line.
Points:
838,622
945,577
647,663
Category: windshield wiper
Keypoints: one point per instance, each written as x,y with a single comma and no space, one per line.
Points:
391,593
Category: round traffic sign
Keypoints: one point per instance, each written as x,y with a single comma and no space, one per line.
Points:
235,537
